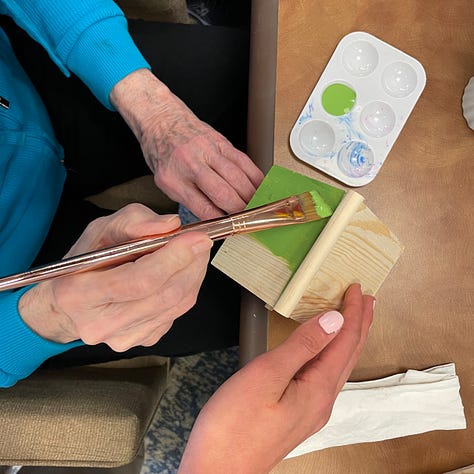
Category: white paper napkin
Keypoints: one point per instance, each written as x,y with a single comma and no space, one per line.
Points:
400,405
463,470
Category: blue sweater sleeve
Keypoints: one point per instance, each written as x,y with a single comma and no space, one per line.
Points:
31,181
89,38
17,364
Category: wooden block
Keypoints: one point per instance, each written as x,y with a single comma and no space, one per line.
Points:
354,246
298,285
365,253
253,266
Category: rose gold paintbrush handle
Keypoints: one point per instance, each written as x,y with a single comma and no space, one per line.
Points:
283,212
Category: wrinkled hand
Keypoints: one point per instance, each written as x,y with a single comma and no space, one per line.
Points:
280,398
128,305
192,163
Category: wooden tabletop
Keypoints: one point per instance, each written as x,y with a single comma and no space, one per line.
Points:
424,192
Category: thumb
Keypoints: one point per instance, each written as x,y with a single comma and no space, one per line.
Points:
135,221
131,222
304,344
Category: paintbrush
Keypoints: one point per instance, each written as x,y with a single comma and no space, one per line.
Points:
305,207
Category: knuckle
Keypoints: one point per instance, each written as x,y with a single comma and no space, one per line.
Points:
221,194
223,145
208,210
192,299
164,179
91,339
309,342
148,343
157,334
118,225
128,216
224,198
172,296
97,225
132,208
186,304
118,346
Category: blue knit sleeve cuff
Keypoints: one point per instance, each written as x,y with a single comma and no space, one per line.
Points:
22,351
103,55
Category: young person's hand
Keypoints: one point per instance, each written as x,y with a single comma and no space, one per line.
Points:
192,163
127,305
282,397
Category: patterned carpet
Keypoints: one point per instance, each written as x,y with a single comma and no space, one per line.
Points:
192,381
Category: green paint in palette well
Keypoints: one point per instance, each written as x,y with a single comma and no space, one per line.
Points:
293,242
338,99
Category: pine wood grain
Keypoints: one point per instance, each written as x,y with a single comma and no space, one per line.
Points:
296,288
253,266
364,253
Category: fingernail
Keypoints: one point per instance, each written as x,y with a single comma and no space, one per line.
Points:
331,322
202,246
373,307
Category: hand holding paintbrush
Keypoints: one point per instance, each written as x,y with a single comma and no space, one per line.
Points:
298,209
135,303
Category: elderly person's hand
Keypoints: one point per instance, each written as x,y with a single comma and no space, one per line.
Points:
127,305
192,163
282,397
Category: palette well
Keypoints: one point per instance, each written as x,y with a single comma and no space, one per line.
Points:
357,108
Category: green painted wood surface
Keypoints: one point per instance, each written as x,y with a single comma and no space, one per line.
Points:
293,242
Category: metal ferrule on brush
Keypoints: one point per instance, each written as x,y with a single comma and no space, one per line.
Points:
283,212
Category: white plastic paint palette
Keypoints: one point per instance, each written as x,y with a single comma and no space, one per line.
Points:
357,109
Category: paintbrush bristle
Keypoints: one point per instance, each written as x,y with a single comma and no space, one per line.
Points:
314,206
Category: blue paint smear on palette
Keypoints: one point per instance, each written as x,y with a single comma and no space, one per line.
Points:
350,135
347,122
359,161
307,114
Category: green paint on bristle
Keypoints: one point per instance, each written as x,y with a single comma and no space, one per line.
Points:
293,242
322,208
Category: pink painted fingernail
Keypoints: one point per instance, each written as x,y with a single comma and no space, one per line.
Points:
331,322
